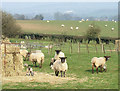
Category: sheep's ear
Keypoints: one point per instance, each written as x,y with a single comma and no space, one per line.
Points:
65,57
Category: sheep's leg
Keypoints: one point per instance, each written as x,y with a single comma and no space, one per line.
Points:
61,73
40,64
35,64
97,69
101,69
92,69
56,73
64,73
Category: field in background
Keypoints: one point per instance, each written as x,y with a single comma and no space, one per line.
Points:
79,68
54,27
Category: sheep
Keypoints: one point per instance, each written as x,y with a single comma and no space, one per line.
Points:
58,54
48,21
36,57
115,21
62,25
23,53
60,66
29,71
99,62
80,21
112,29
71,28
105,25
77,28
86,19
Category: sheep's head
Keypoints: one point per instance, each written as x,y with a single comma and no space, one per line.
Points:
107,57
28,54
62,59
57,51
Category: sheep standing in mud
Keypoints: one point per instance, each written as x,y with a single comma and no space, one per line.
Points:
99,62
60,66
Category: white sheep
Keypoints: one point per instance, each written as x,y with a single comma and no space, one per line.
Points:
86,19
106,25
115,21
80,21
99,62
48,21
37,57
60,66
58,54
24,53
77,28
71,28
112,29
62,25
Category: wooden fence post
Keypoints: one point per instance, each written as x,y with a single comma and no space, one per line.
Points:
96,47
110,49
103,49
78,47
87,48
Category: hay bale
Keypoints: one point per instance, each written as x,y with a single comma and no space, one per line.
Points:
12,62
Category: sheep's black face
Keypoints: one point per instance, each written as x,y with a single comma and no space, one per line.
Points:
28,54
57,51
107,57
63,59
51,63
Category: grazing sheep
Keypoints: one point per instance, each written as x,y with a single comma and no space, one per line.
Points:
77,28
105,25
71,28
36,57
99,62
115,21
57,56
23,53
112,29
48,21
86,19
80,21
60,66
62,25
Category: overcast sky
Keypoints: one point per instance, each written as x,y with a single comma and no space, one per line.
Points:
60,0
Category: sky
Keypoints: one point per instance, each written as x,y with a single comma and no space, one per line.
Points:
60,0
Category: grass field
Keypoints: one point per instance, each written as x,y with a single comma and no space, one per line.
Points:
79,68
54,27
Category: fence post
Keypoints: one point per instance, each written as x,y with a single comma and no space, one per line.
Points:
103,49
110,49
87,48
96,47
78,47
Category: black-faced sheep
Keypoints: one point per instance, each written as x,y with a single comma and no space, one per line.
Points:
58,54
99,62
60,66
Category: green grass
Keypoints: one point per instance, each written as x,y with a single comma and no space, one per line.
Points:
54,27
79,65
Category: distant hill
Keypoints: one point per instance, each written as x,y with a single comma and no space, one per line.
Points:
82,9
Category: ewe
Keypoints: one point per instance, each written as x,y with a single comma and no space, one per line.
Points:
60,66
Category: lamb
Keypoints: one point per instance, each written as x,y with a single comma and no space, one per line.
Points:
29,71
37,57
99,62
57,56
23,53
60,66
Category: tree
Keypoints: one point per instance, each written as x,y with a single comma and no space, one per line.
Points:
19,17
9,26
38,17
93,32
